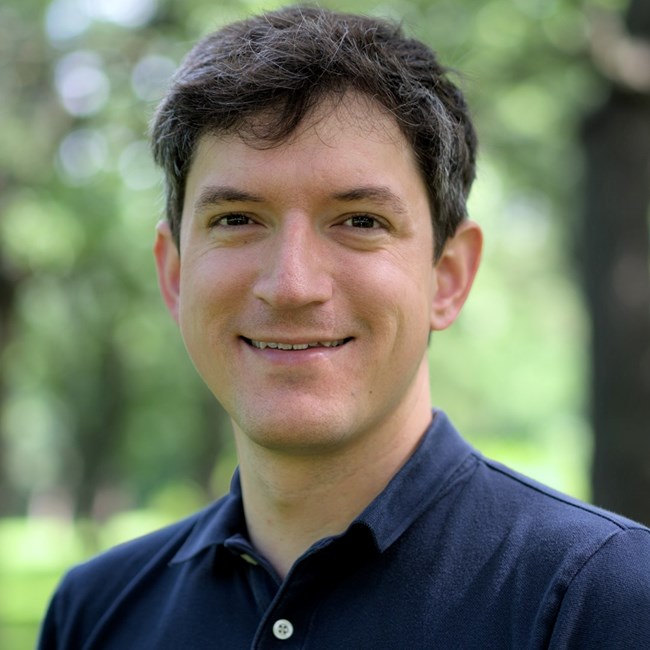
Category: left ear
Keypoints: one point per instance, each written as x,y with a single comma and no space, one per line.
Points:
454,274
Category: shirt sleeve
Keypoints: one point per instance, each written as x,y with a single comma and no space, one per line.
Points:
607,604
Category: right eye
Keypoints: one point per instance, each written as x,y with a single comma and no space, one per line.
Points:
235,219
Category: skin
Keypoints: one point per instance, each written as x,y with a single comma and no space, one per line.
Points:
325,238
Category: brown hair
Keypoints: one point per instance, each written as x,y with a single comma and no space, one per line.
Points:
282,63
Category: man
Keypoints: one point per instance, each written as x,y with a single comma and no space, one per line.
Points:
317,166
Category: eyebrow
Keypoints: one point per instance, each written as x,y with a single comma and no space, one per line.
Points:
216,194
375,193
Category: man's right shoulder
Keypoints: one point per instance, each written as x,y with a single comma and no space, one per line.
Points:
91,588
126,561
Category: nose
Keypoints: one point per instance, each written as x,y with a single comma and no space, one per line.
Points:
294,266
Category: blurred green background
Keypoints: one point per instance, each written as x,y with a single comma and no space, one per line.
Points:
106,432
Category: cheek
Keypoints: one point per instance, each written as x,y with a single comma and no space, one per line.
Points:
394,300
208,292
212,277
402,278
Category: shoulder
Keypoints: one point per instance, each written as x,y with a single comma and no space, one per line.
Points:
600,559
544,508
89,590
583,572
613,581
545,536
112,570
125,561
483,494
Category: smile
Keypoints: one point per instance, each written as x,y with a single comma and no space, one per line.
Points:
261,345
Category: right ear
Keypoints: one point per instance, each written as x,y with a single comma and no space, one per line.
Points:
168,265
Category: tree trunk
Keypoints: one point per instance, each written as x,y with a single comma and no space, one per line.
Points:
9,500
101,420
616,268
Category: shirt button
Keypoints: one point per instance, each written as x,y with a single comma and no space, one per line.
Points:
282,629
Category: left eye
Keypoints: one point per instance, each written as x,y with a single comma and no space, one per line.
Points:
362,221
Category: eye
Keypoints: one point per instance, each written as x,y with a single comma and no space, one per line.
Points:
362,221
235,219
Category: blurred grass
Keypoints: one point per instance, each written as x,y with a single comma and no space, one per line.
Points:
34,553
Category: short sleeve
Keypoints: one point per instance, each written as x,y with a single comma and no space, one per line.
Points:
607,604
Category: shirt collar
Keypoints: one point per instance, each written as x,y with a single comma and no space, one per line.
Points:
439,456
215,524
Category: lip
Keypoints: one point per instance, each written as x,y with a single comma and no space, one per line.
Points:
276,355
296,345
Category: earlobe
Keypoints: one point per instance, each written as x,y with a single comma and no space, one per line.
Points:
168,267
454,274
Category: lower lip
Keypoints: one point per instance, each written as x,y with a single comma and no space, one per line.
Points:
292,357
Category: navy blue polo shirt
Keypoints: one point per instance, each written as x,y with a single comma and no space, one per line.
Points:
456,552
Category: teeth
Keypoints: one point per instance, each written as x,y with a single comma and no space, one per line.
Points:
261,345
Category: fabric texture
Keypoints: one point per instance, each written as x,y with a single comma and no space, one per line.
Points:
457,552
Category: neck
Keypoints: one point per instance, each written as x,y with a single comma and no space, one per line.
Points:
291,501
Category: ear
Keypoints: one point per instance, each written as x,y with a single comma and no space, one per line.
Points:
454,274
168,265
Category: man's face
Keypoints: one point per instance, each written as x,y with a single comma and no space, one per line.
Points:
305,288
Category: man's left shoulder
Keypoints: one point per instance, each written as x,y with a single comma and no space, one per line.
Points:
595,563
543,531
547,508
613,581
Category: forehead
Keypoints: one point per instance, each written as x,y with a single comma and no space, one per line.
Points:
351,111
352,130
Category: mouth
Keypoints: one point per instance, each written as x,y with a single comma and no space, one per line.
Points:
276,345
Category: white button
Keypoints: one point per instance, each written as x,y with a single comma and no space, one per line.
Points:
282,629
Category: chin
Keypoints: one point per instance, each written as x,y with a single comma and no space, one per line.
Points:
296,434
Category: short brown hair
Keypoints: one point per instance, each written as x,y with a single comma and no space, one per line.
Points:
283,63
